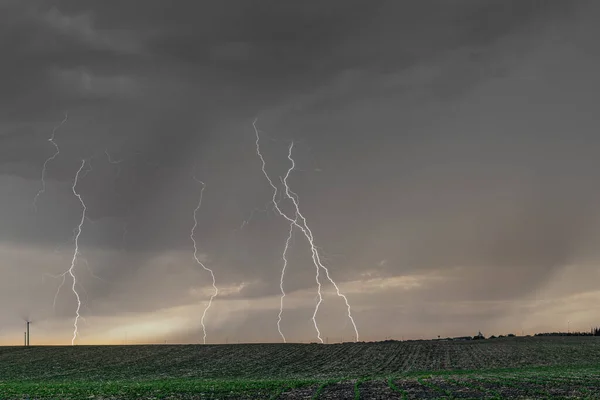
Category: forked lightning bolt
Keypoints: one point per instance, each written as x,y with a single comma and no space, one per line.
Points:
291,221
305,230
308,233
52,157
212,274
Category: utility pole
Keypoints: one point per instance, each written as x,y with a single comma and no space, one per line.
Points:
27,333
25,336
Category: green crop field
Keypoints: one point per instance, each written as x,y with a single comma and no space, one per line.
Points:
536,367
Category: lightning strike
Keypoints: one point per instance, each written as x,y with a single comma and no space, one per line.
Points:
76,252
316,257
285,262
76,234
305,230
63,276
212,274
290,220
52,157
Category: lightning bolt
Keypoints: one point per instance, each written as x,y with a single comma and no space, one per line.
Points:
305,230
285,262
76,252
70,271
52,157
212,274
294,197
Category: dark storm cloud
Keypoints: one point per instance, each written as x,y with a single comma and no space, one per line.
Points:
37,43
73,54
277,46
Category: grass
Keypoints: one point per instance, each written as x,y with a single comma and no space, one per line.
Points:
542,367
323,385
357,386
393,386
424,382
495,395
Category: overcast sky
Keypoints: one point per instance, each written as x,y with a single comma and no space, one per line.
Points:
447,157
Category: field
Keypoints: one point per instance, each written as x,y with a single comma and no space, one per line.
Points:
521,367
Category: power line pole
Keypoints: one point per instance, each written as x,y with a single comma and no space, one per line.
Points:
25,338
27,333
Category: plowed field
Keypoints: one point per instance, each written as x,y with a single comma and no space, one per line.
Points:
545,367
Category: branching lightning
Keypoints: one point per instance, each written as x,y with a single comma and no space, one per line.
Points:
305,230
52,157
316,257
212,274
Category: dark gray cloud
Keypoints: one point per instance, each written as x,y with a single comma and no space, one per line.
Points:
430,137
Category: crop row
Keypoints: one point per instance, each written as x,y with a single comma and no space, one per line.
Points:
524,383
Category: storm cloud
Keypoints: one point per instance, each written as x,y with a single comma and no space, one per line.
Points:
446,163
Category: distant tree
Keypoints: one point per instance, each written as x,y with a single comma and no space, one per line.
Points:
511,335
478,336
592,332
